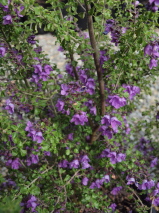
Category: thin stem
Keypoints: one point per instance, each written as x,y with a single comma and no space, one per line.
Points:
96,58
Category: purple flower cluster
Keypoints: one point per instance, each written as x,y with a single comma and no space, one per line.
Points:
60,105
2,51
103,57
85,181
114,157
33,133
131,181
9,106
18,10
117,101
31,40
116,190
8,19
29,203
146,185
85,84
109,126
153,5
152,50
69,69
154,162
132,90
14,163
116,31
113,206
32,159
41,73
84,161
99,182
8,184
92,108
79,118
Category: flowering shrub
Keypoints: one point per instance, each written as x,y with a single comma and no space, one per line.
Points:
65,138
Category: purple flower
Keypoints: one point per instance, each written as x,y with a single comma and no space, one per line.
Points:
106,120
146,185
116,190
69,69
47,153
153,63
31,40
148,49
37,68
109,122
117,101
154,162
105,179
32,159
60,105
13,163
7,19
63,164
29,126
85,181
113,157
103,57
132,90
5,8
115,123
60,49
109,26
121,157
113,206
80,119
19,10
105,153
155,202
130,181
93,110
31,203
47,69
74,164
2,51
70,136
84,161
38,137
64,89
90,86
9,106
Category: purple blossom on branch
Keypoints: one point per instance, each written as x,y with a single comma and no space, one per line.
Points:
85,181
80,118
154,162
31,40
32,159
146,185
132,90
60,105
7,19
14,163
9,106
117,101
113,206
30,202
116,190
2,51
